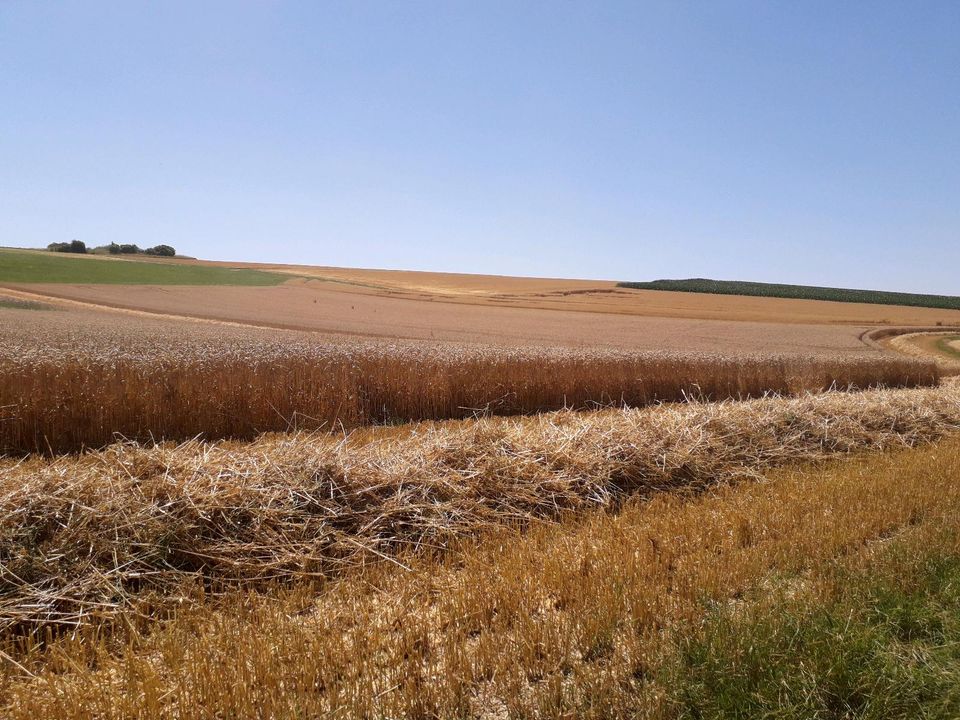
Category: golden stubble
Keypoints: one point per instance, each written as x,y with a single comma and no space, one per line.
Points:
566,619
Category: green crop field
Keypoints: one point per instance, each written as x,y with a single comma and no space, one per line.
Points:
22,266
803,292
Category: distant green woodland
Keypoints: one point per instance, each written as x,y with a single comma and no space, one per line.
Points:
803,292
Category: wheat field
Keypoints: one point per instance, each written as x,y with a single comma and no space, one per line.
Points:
76,380
201,520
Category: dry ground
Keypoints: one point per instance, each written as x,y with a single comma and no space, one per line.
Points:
604,297
328,308
497,309
509,311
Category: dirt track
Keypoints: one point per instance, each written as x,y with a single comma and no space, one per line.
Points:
316,306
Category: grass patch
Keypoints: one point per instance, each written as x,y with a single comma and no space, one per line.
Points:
944,346
802,292
888,646
15,304
18,266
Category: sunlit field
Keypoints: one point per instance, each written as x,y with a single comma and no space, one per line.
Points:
71,380
207,520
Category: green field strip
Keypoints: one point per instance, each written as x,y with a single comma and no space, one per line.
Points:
21,266
798,292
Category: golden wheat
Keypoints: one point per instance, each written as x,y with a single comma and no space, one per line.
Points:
67,383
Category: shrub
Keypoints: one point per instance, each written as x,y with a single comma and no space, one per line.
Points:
161,251
74,246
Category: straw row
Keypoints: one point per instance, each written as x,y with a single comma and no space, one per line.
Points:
83,536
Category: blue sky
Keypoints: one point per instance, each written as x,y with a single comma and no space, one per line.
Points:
810,142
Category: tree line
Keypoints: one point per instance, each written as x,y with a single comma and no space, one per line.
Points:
79,247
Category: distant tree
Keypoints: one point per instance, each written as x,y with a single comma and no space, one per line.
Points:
161,250
129,250
113,249
74,246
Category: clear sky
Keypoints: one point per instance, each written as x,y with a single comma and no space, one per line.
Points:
809,142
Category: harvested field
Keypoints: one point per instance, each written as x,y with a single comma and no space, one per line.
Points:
449,568
84,535
602,296
318,308
423,304
79,379
595,618
635,319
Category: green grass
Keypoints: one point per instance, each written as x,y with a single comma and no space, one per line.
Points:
19,266
803,292
14,304
887,647
943,345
